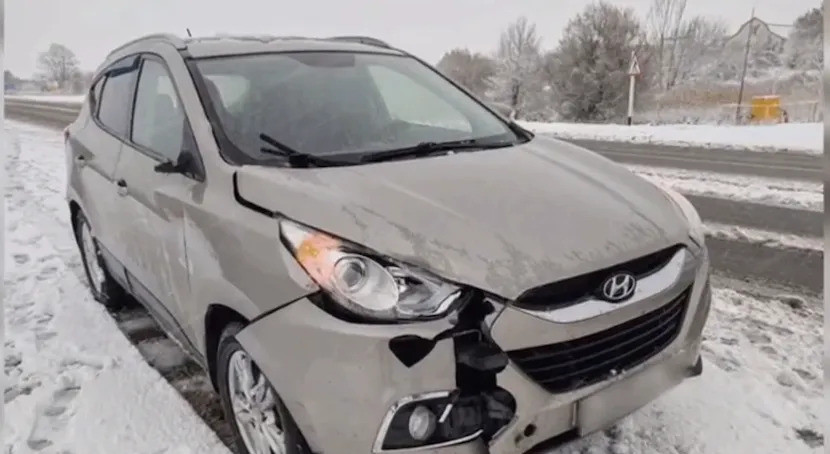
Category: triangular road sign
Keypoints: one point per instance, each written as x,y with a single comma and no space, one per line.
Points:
634,69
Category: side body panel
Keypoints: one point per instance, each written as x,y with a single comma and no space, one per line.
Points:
91,158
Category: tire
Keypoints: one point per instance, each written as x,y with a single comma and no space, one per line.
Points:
103,286
294,442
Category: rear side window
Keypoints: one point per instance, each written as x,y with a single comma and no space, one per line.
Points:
114,106
95,95
159,120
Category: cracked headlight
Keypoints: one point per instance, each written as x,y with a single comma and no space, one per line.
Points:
696,231
365,284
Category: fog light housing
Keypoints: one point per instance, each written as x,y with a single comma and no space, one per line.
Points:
421,423
434,419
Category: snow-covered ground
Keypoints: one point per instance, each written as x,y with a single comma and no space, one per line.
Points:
760,392
798,137
76,385
57,99
770,191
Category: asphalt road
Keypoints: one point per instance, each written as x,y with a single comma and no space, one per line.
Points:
794,268
765,164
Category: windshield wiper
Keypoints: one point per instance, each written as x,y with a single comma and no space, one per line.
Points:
427,148
298,158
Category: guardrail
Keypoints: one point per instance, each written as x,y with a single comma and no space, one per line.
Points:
49,113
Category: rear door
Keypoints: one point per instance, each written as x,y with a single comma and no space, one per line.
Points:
93,152
153,201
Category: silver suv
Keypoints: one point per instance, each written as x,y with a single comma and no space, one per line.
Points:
367,258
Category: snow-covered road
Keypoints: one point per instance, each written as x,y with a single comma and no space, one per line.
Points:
804,195
76,385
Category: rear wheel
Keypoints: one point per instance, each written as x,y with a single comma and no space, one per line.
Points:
259,419
103,287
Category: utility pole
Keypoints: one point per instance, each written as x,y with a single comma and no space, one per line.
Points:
746,61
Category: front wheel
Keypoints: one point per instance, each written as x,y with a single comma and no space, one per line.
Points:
104,288
260,422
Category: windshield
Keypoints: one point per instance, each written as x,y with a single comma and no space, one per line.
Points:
332,103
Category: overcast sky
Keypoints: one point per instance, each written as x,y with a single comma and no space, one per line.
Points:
426,28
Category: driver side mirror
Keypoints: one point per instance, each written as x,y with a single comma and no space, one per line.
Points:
184,165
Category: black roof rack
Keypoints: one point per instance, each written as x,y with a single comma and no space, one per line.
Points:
368,40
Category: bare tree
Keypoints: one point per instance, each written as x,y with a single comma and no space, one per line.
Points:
474,71
519,59
665,21
700,40
58,65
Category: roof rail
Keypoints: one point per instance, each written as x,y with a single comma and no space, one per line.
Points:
169,38
368,40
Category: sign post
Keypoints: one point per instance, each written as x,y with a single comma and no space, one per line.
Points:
633,72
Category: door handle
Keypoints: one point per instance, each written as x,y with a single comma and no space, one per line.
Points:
122,187
80,160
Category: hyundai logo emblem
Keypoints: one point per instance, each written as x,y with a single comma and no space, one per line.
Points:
618,287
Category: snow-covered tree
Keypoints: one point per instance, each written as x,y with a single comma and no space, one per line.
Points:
803,49
58,66
517,82
474,71
589,68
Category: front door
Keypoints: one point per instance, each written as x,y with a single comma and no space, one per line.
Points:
155,202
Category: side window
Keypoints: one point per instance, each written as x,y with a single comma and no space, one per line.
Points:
95,95
407,100
114,105
158,118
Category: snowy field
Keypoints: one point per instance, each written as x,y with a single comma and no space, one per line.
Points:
76,385
797,137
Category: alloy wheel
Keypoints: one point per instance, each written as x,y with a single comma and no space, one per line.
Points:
254,407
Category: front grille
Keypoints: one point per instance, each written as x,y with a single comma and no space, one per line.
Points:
571,291
570,365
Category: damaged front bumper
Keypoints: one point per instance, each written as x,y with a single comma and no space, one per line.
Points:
353,388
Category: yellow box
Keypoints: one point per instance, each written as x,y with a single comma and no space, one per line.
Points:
766,109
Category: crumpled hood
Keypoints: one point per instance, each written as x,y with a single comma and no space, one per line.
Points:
503,220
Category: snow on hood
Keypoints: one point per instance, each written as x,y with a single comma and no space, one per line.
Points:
503,220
